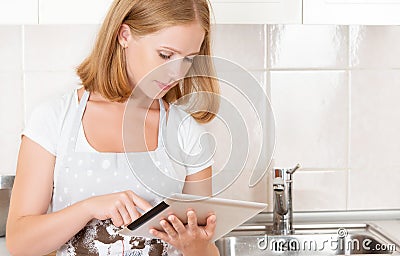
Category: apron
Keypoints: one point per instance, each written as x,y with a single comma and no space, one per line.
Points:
80,175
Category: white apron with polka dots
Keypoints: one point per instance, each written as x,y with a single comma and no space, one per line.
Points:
80,175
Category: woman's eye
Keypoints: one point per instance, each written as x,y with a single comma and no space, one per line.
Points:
164,56
189,59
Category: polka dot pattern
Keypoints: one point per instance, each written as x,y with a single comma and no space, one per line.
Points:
106,164
86,174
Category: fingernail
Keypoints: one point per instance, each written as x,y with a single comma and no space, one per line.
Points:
213,219
171,218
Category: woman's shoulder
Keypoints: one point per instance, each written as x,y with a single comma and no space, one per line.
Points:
45,122
180,114
182,121
197,149
55,106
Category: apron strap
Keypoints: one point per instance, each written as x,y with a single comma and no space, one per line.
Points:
77,122
161,124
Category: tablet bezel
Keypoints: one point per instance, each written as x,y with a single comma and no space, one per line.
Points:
178,204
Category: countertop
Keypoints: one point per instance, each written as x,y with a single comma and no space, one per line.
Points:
3,249
390,228
387,222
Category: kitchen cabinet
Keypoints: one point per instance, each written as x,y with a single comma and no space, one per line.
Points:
365,12
225,11
19,12
73,11
257,11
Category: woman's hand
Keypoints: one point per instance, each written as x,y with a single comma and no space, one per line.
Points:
119,207
190,239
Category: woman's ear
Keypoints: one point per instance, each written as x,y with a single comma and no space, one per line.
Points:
124,35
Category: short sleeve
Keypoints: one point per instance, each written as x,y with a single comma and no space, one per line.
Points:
42,126
196,144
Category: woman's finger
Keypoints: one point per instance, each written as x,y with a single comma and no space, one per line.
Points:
177,224
168,229
161,235
192,220
133,212
211,224
116,218
126,218
140,202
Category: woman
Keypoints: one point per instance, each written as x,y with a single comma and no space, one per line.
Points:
74,188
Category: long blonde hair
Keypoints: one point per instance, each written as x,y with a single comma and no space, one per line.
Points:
104,70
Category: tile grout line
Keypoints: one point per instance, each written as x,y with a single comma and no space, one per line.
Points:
38,12
23,89
349,142
349,65
265,28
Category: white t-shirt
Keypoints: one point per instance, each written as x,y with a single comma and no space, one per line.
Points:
47,122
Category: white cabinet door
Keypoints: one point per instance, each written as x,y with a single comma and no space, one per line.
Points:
257,11
226,11
73,11
19,12
366,12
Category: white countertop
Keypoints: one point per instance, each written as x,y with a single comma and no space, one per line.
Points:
391,228
3,249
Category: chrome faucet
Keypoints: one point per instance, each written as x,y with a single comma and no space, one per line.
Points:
283,209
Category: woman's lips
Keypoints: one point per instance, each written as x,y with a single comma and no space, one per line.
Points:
165,87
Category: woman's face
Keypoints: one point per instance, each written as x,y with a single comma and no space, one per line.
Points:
156,62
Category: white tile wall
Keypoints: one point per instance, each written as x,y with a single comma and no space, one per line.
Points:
320,190
311,113
43,86
375,46
343,131
375,147
10,48
11,96
240,190
11,119
238,137
57,47
243,44
310,46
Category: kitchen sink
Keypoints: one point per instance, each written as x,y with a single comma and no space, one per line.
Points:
309,239
6,184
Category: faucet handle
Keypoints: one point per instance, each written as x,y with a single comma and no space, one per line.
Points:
291,171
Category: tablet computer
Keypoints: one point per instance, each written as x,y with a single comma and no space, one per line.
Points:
230,214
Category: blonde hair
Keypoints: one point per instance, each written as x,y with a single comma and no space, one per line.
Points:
104,70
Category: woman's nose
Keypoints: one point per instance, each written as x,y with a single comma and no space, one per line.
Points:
178,68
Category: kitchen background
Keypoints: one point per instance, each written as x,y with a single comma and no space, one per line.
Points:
334,90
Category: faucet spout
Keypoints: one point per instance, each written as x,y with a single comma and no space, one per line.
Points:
280,203
282,193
